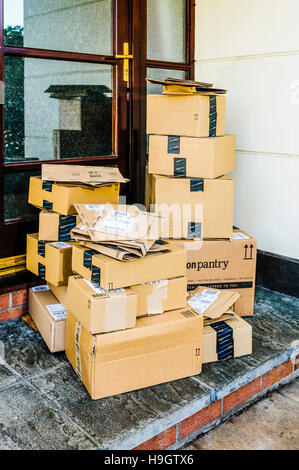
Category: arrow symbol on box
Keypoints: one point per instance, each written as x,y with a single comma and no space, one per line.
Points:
246,251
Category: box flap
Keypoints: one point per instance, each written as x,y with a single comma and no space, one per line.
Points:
177,86
212,303
82,174
107,222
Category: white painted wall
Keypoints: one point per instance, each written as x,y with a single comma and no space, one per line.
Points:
251,47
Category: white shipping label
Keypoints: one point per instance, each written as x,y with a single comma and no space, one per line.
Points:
202,301
101,291
98,290
61,245
57,311
239,236
95,207
40,288
117,221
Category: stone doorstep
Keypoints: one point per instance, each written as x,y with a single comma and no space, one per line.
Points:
245,391
197,405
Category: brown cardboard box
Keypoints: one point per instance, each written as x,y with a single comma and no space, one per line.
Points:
198,208
161,296
49,316
60,197
55,227
148,189
60,293
50,261
238,341
161,348
101,311
212,303
110,273
224,265
80,174
185,115
205,157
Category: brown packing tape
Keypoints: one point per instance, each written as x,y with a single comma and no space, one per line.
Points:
116,313
156,298
78,351
116,309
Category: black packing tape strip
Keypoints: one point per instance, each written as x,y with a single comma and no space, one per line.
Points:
47,205
194,230
174,144
41,270
87,258
41,248
96,275
225,340
213,116
47,186
179,167
66,224
197,184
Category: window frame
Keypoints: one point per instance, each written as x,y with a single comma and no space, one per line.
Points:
13,230
139,90
129,107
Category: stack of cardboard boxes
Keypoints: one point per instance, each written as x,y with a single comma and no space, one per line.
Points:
124,321
127,323
49,252
189,156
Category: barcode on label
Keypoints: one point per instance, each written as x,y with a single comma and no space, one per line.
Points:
189,314
61,245
57,311
40,288
95,207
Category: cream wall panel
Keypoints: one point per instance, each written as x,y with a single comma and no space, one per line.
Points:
244,27
262,100
267,201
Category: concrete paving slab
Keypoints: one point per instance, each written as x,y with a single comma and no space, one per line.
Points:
25,350
113,420
276,317
29,422
6,377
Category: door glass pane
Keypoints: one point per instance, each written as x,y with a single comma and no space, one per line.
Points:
63,25
16,187
161,74
166,30
57,109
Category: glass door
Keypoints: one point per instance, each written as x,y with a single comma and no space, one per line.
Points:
75,91
65,67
